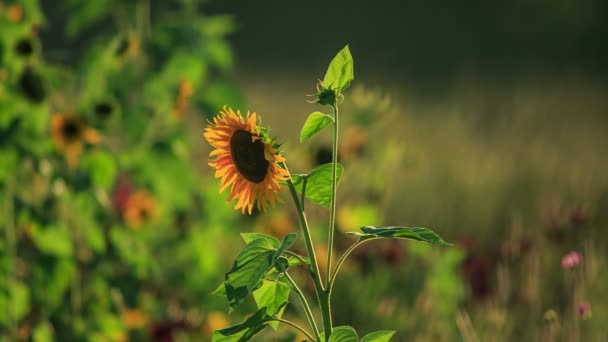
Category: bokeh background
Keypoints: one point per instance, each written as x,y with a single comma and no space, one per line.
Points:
487,122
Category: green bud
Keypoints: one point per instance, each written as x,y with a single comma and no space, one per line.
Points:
326,97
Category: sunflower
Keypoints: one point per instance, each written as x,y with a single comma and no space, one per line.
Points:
245,159
140,208
70,134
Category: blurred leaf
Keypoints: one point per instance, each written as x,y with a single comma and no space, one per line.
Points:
53,240
252,263
218,25
101,166
218,94
244,331
84,14
8,160
340,72
378,336
318,185
412,233
43,332
314,124
131,249
61,277
14,302
219,54
342,334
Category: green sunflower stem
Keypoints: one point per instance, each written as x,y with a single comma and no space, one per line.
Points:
322,295
332,212
311,319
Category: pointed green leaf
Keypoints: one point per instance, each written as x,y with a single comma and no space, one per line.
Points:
220,290
314,124
254,261
101,166
378,336
271,240
244,331
318,185
273,296
249,268
340,72
411,233
286,243
342,334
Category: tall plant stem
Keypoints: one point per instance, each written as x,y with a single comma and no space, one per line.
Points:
309,315
314,266
334,181
295,326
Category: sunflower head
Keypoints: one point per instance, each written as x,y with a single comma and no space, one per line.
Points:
245,159
70,134
140,208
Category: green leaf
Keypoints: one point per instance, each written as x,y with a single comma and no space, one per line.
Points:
101,166
318,184
220,290
286,243
272,295
342,334
273,243
378,336
43,332
412,233
293,261
340,72
53,240
244,331
314,124
253,262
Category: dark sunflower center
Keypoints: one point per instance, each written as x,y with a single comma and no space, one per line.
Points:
71,130
103,110
248,156
24,47
144,214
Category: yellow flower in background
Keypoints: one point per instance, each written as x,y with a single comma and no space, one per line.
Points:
70,134
14,13
215,320
140,208
245,160
184,92
134,318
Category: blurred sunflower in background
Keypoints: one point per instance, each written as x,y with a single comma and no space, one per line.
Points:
140,208
70,134
245,158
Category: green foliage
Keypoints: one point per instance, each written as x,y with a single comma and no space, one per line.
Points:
254,261
244,331
314,124
378,336
318,183
412,233
342,334
274,296
340,71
